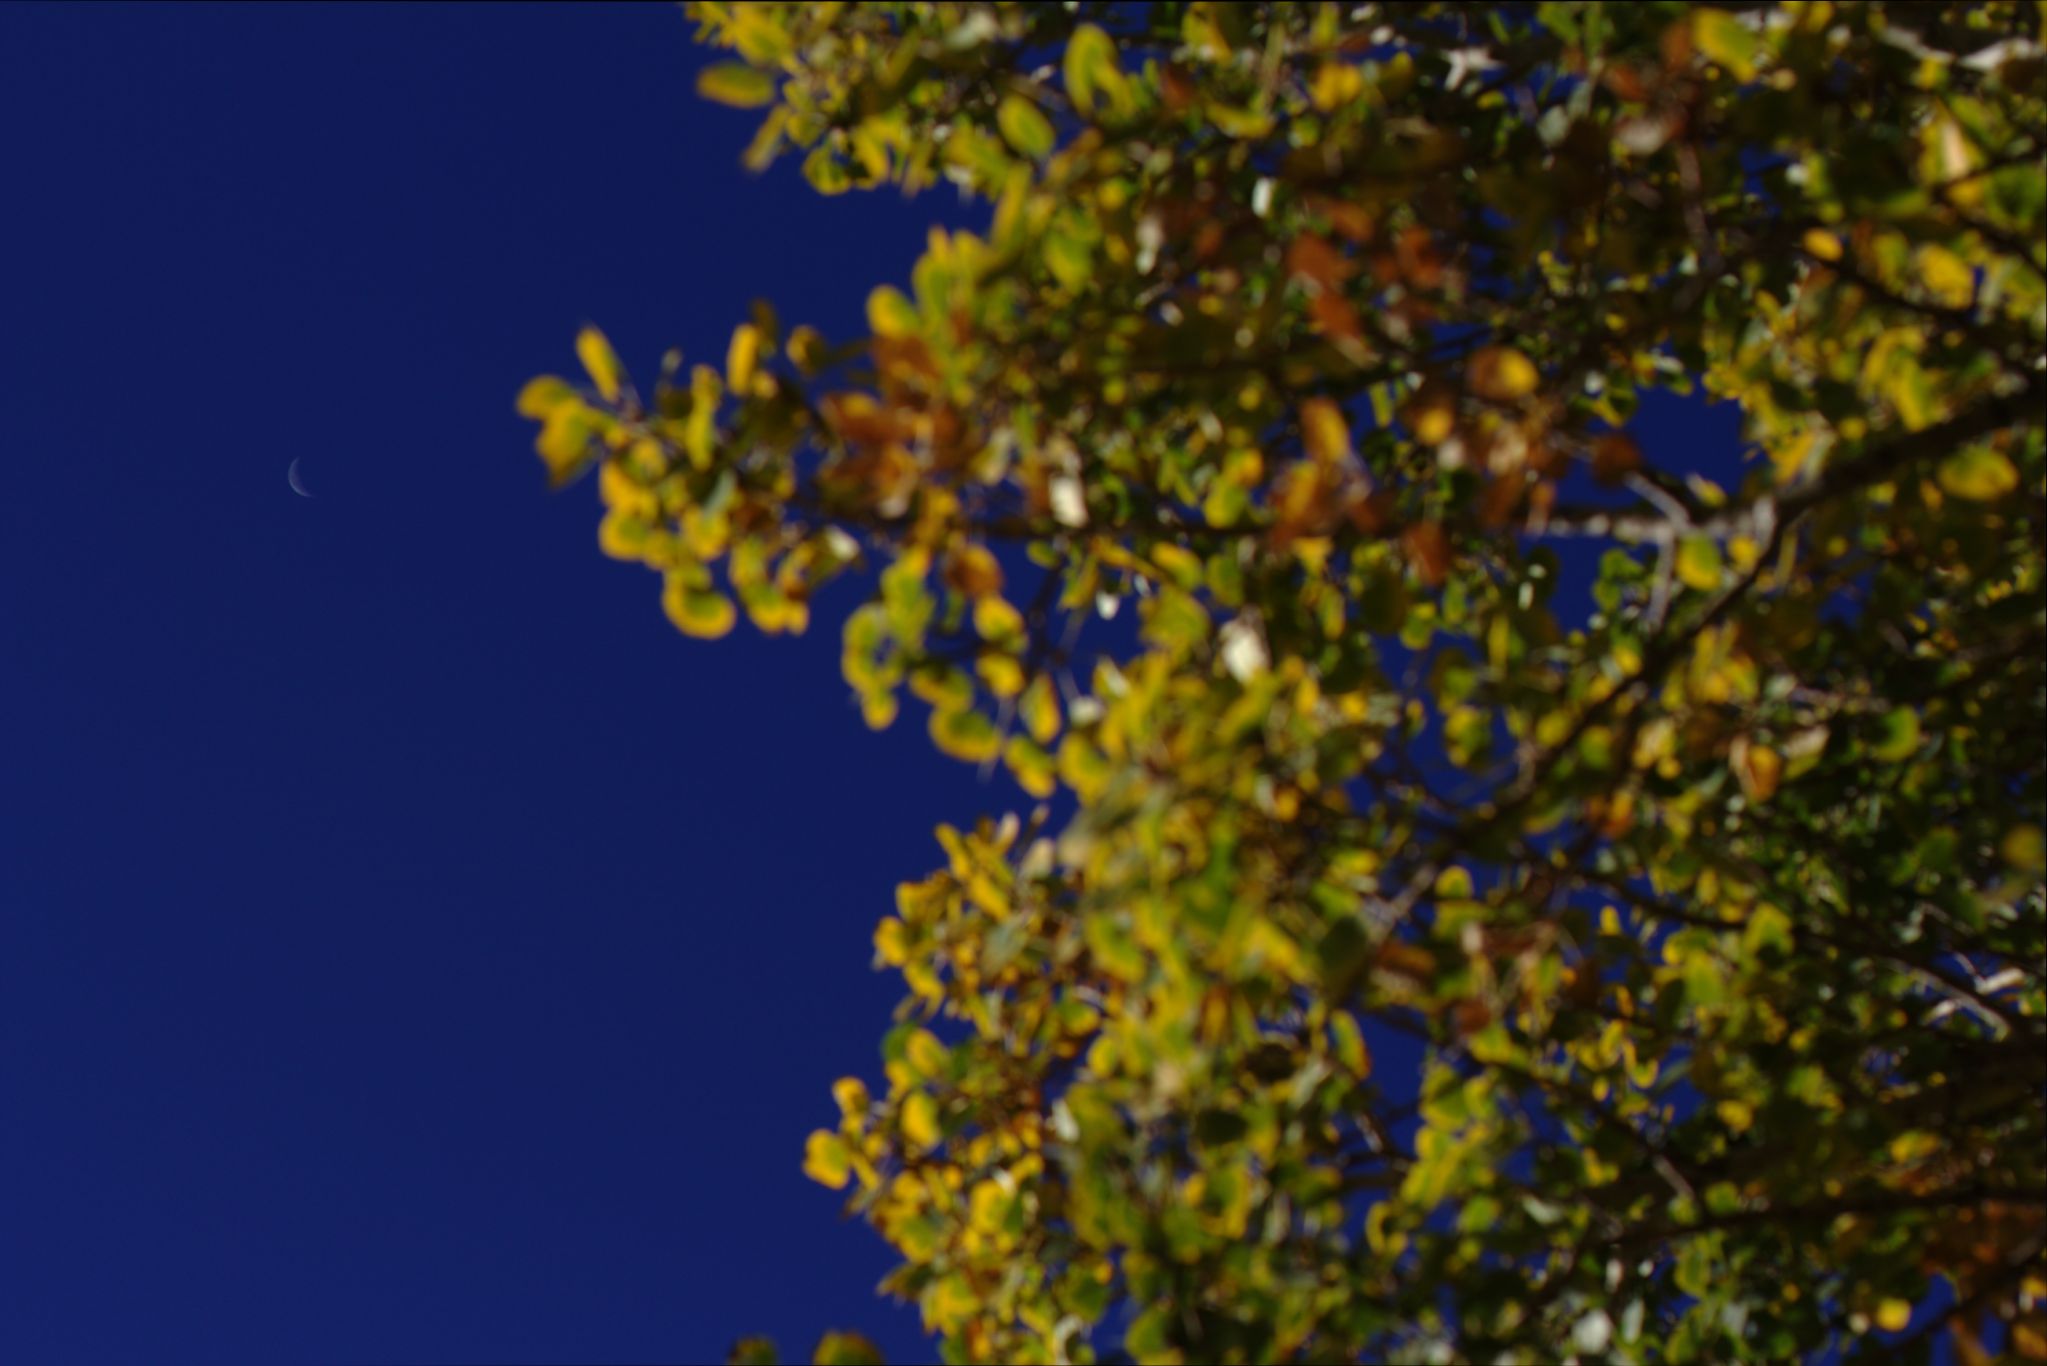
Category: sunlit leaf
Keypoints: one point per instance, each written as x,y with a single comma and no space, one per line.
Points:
736,84
600,361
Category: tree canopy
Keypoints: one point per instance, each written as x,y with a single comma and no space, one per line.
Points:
1479,887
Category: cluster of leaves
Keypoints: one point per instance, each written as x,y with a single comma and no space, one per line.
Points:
1414,960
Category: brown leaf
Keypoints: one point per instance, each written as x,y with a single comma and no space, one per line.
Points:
1428,549
1615,456
1313,259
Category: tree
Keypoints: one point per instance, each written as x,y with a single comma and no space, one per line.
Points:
1696,922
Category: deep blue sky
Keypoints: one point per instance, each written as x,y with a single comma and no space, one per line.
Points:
410,947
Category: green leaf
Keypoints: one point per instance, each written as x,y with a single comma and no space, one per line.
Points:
846,1349
1897,735
736,84
1726,41
753,1351
1092,73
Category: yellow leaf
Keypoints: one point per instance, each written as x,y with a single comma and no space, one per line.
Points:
1822,244
1737,1115
1336,84
1893,1315
1502,374
621,535
699,612
1978,474
825,1160
1003,675
564,441
1946,276
1039,709
878,709
742,356
942,685
851,1094
1698,563
891,942
965,735
1324,432
996,620
736,84
920,1120
2024,848
1032,767
1025,127
924,1053
889,314
1431,414
600,360
622,493
807,349
543,395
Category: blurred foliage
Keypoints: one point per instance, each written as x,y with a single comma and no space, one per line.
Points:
1309,337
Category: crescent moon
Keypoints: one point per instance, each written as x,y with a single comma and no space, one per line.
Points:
291,477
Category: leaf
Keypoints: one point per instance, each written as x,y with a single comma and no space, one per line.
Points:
1756,767
1428,550
973,571
1945,275
1034,769
741,357
600,361
890,314
1348,1043
1501,374
1725,41
1698,563
753,1351
825,1160
846,1349
1431,415
1025,127
736,84
1091,70
997,621
1821,244
919,1120
699,612
2024,849
1038,708
1614,456
543,395
965,735
1978,474
1897,736
1324,432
